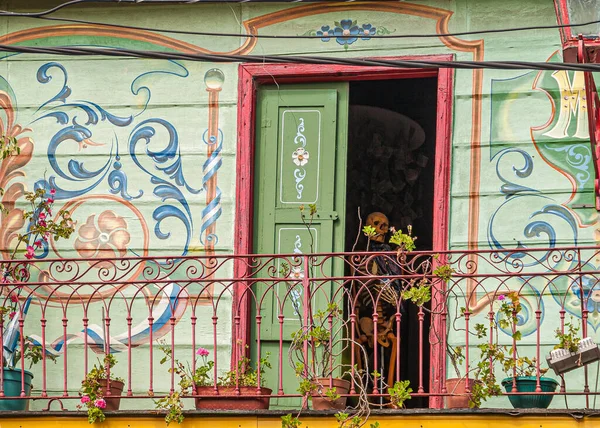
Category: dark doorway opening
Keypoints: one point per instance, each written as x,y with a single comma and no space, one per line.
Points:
390,169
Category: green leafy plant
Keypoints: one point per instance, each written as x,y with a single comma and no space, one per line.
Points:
9,146
444,272
93,388
399,393
568,340
32,353
290,421
419,294
404,241
344,420
42,225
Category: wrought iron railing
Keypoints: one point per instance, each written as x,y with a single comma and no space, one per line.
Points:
246,306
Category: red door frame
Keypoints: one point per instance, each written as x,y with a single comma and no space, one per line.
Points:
251,76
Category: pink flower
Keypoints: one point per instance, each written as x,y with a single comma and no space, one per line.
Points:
50,200
85,399
12,314
42,223
53,192
202,352
501,297
14,298
42,216
100,403
38,243
30,252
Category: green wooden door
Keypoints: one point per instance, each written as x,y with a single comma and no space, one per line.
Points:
300,160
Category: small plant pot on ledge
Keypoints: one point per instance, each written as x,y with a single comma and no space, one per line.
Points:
113,401
460,399
12,388
247,400
319,398
528,384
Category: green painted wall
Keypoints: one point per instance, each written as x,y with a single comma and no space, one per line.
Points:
81,113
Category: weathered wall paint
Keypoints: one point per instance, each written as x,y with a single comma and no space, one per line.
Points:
122,139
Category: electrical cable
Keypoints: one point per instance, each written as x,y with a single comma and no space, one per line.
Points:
286,36
54,9
308,59
42,15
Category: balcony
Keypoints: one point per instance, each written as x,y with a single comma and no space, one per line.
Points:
453,324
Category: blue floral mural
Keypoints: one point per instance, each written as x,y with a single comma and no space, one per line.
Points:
347,31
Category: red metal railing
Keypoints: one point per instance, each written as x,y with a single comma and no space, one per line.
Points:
236,306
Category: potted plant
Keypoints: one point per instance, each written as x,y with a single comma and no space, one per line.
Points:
571,351
237,389
93,390
461,397
241,385
317,369
32,353
41,226
522,370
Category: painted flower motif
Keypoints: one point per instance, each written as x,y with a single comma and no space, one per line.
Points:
100,403
366,31
103,236
297,273
346,33
12,315
85,399
300,156
501,297
202,352
325,32
14,298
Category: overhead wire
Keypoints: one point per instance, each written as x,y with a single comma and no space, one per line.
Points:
294,59
43,15
302,36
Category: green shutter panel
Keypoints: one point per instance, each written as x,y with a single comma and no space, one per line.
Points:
300,160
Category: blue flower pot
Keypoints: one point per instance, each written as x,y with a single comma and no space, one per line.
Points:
12,388
528,384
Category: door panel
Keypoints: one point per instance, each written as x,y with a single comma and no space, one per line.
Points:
300,160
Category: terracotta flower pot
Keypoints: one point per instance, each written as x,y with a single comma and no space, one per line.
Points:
319,398
456,386
113,401
246,400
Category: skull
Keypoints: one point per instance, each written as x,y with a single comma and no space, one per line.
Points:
381,224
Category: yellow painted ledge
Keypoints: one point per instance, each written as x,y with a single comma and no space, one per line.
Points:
400,421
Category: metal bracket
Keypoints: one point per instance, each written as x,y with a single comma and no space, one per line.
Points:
47,409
